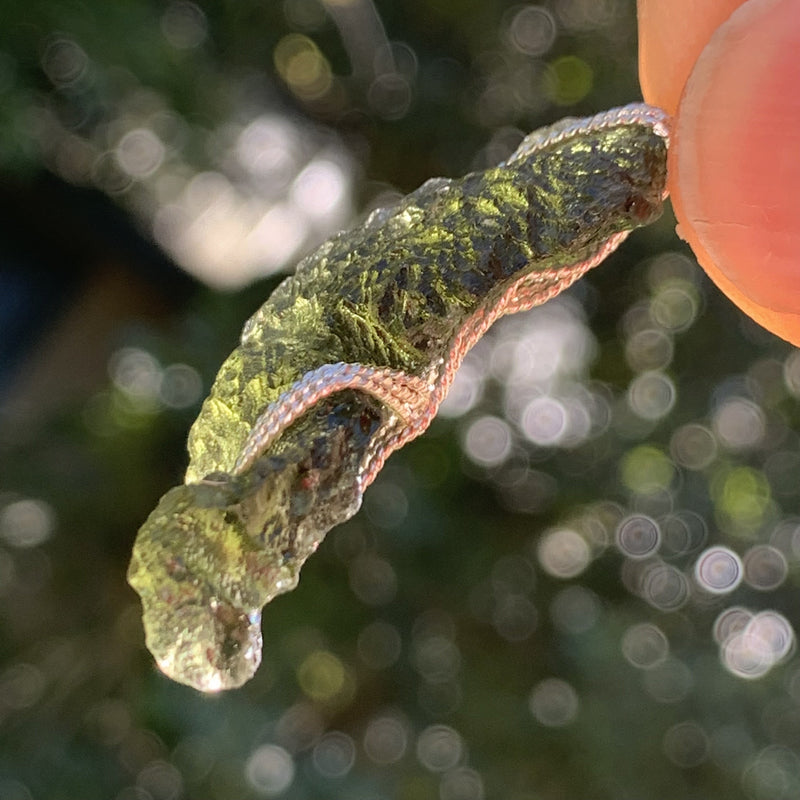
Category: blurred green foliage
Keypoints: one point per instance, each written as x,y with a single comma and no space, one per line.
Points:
516,612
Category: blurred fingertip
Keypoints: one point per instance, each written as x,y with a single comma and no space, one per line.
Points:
734,164
672,33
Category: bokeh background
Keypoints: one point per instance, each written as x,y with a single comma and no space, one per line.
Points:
580,583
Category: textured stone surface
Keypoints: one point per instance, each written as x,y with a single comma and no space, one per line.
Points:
408,292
